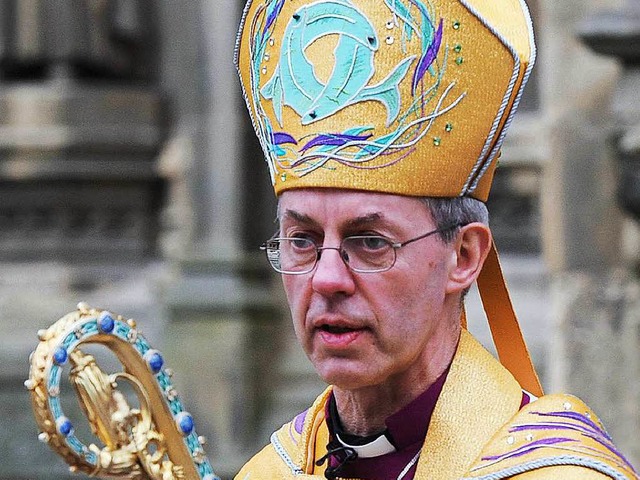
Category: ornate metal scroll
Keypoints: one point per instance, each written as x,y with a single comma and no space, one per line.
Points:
154,440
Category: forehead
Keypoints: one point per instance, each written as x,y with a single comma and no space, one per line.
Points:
336,206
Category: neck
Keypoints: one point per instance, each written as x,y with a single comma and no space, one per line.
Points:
363,411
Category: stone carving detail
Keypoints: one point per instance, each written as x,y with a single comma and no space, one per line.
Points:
81,125
101,223
90,38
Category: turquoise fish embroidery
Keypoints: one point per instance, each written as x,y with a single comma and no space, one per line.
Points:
295,84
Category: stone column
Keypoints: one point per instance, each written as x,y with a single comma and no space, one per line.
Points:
595,342
82,122
616,33
224,322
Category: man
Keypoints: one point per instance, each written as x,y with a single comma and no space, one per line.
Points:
381,122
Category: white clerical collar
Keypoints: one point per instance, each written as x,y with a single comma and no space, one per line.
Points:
380,446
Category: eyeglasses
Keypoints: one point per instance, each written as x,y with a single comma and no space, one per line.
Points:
361,253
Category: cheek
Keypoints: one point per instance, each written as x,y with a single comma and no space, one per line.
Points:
289,292
418,276
419,295
432,276
294,291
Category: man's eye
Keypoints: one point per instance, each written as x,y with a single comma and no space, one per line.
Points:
301,243
370,242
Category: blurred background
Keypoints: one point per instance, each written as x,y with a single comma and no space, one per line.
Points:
130,179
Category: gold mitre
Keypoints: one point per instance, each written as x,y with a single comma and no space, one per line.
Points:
411,97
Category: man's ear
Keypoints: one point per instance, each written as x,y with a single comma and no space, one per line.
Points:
470,249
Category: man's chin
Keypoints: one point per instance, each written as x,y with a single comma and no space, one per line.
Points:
345,374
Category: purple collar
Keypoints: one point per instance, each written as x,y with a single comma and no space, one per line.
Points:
409,425
406,430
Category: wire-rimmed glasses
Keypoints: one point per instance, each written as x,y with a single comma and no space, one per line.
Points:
361,253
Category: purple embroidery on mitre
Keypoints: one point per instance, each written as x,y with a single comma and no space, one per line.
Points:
280,138
273,15
427,59
298,423
545,442
333,139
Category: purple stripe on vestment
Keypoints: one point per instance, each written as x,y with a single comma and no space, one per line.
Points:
545,442
604,441
575,416
594,432
552,426
298,423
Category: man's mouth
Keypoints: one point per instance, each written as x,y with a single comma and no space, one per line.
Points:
336,330
339,336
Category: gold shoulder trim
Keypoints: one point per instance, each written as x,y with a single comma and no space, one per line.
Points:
554,430
296,441
478,397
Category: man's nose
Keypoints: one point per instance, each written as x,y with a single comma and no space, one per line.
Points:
332,274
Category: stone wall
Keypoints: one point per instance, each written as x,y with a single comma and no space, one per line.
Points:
82,122
595,342
87,155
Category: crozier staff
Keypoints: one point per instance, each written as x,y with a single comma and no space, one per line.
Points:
381,122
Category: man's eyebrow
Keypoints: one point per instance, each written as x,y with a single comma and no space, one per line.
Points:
364,220
298,217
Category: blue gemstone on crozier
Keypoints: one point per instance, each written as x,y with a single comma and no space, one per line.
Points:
65,427
185,423
60,356
154,360
106,323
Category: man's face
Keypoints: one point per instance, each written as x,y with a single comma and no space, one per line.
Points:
367,329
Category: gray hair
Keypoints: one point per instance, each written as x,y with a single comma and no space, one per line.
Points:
455,211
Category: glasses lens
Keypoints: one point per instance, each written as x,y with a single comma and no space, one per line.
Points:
291,255
272,249
369,253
